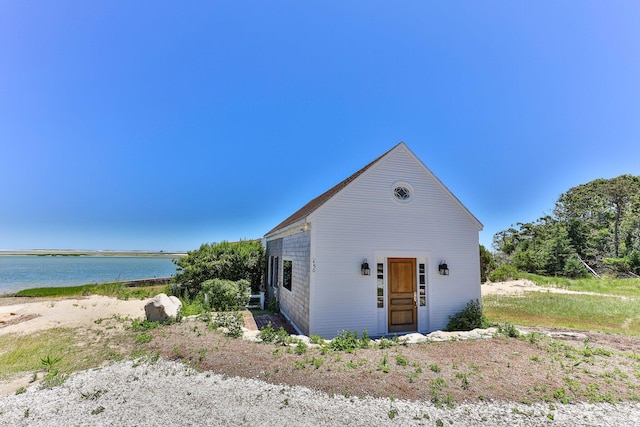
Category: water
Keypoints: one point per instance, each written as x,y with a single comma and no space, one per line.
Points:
23,272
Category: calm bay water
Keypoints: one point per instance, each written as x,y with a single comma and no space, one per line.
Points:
23,272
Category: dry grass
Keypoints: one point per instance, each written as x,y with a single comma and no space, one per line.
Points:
604,368
76,348
600,313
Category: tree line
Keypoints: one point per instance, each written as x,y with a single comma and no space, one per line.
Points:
596,224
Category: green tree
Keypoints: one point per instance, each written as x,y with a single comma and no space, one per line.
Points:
487,263
556,250
598,222
603,219
573,268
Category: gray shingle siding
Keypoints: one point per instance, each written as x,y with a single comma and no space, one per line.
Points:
293,303
274,249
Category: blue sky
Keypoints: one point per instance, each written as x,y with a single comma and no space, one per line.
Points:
163,125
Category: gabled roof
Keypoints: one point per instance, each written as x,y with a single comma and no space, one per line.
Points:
314,204
302,213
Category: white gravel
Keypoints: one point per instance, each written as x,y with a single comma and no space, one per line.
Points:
170,393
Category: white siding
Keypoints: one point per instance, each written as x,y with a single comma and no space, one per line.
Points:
364,219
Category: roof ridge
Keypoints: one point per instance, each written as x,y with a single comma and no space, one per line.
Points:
315,203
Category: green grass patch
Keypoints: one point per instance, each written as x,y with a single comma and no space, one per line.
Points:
62,351
28,353
24,353
115,289
192,307
590,312
623,287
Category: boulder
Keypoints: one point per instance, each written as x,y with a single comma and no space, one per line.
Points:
162,308
442,336
414,338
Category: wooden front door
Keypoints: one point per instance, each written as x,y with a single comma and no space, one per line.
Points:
402,295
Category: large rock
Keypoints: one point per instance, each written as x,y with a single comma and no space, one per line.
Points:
162,308
414,338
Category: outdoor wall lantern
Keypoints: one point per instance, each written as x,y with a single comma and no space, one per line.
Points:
443,268
364,268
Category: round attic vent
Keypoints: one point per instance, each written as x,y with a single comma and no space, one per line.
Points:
402,192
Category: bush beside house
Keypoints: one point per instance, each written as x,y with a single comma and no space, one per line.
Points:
221,275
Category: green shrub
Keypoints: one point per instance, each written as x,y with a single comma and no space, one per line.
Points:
346,340
364,340
282,337
222,294
233,322
503,273
273,305
301,348
242,260
349,341
268,334
471,317
317,339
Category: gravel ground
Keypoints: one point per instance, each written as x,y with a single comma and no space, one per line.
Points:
169,393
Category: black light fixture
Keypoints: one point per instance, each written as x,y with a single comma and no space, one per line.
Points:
443,268
364,268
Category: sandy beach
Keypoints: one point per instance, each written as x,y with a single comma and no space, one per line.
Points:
25,316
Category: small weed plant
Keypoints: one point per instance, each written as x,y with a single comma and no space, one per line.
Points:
231,322
401,360
508,330
384,364
143,338
53,377
282,337
301,348
348,341
384,343
317,339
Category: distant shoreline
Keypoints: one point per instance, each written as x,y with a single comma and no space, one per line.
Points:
74,252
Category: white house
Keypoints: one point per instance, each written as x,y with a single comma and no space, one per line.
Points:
390,250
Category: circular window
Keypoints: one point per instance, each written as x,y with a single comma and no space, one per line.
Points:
402,192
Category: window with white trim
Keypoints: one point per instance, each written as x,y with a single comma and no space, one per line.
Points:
287,273
273,271
380,283
422,280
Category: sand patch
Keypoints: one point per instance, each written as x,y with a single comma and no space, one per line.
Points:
520,286
29,317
